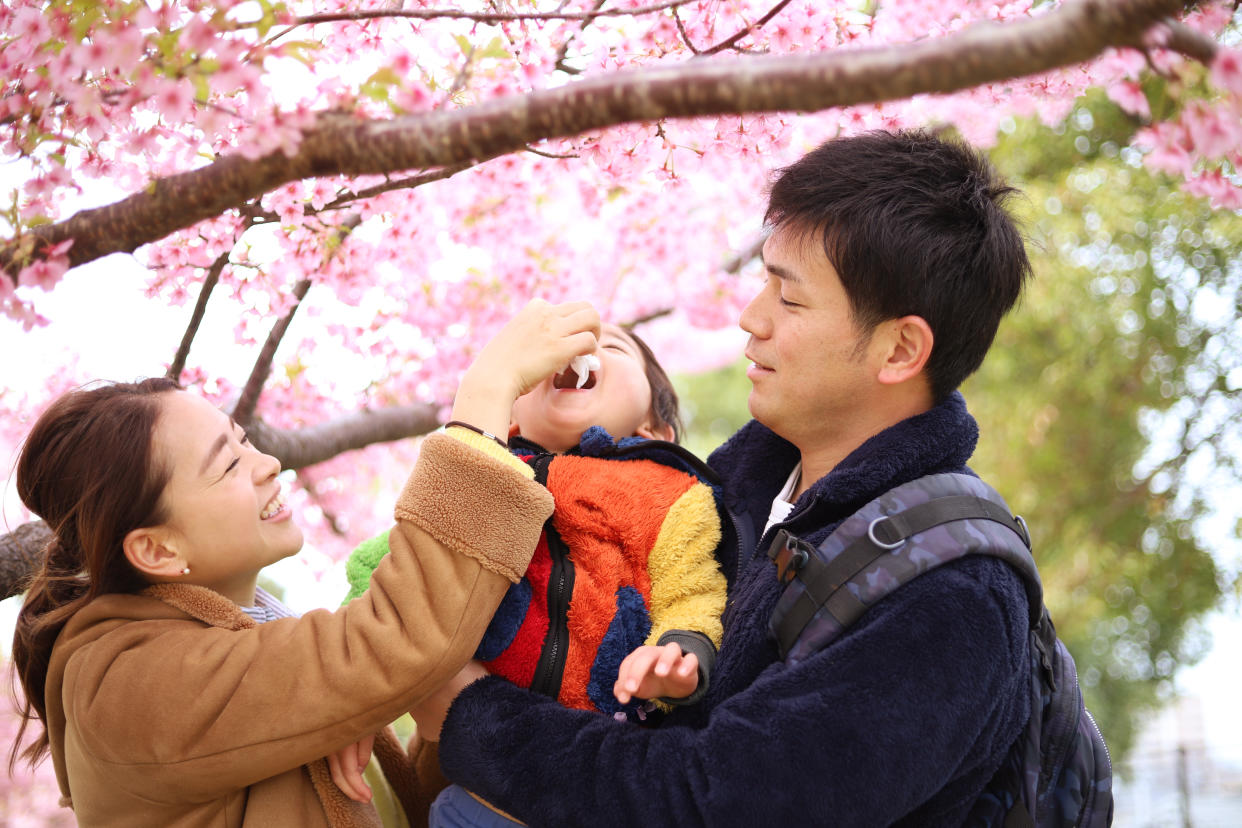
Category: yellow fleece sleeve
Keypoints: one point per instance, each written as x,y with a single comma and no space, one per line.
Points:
491,448
687,586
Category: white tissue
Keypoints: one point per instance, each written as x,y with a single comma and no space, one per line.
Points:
583,366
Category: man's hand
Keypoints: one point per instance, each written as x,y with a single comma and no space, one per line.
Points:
652,672
347,765
430,712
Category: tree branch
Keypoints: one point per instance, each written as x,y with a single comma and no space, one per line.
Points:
563,51
480,17
243,412
298,448
1178,37
745,256
21,553
196,318
730,42
339,145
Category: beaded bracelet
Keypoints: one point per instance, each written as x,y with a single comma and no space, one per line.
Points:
477,430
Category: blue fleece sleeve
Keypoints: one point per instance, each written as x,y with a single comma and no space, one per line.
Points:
924,694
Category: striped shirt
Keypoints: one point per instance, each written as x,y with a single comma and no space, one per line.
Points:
267,607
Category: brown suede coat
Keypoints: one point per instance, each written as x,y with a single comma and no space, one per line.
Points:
172,708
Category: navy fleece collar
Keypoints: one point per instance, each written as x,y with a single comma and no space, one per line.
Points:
755,462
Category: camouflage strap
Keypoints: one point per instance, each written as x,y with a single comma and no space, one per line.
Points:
896,537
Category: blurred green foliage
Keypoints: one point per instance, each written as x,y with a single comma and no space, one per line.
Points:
1107,405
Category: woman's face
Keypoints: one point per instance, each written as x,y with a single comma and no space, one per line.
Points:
227,516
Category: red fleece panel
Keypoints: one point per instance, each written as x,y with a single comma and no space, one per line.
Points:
518,661
609,512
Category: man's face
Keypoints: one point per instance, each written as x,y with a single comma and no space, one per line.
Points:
810,366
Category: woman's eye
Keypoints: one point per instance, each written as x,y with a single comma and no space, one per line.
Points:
233,465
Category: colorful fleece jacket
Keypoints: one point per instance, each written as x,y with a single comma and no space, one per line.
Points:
628,558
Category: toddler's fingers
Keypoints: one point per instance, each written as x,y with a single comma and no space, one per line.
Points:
669,654
345,777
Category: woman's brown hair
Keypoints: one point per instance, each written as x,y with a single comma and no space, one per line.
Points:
88,468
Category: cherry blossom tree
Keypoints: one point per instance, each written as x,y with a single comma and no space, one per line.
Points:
371,187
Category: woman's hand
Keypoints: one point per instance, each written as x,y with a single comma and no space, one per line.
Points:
430,712
651,672
537,342
347,765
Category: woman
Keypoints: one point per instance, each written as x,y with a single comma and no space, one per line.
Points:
163,703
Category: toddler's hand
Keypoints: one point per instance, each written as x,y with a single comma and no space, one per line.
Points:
347,765
652,672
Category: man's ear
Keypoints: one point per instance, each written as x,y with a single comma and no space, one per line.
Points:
151,552
653,430
907,343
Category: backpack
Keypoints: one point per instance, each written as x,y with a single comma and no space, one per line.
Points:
1058,773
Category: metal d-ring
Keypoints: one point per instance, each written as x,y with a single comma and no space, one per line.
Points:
877,541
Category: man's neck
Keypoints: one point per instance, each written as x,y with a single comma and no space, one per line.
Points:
822,454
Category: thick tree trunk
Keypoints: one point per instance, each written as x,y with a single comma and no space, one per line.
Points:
20,553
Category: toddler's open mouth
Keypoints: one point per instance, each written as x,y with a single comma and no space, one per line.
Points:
579,374
569,379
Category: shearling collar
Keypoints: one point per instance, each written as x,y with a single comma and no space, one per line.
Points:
202,603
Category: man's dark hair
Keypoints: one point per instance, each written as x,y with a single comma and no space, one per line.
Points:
913,224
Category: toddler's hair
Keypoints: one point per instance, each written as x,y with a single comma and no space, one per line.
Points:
665,406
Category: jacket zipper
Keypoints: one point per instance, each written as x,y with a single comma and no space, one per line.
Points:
550,669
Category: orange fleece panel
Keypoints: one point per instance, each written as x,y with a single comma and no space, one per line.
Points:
609,513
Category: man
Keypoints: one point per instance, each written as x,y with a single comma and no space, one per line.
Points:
889,266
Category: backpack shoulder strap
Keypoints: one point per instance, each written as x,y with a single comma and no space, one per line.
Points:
898,536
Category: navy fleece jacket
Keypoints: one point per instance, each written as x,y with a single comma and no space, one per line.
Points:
900,721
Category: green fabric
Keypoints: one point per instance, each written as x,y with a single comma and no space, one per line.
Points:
362,562
358,568
392,815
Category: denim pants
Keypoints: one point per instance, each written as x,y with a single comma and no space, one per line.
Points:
455,808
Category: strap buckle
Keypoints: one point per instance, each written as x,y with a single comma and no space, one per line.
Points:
790,554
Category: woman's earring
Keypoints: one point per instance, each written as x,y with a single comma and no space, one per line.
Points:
185,571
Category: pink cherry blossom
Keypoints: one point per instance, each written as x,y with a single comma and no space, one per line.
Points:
1227,70
1130,97
174,100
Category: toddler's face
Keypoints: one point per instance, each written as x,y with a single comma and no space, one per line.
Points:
617,397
